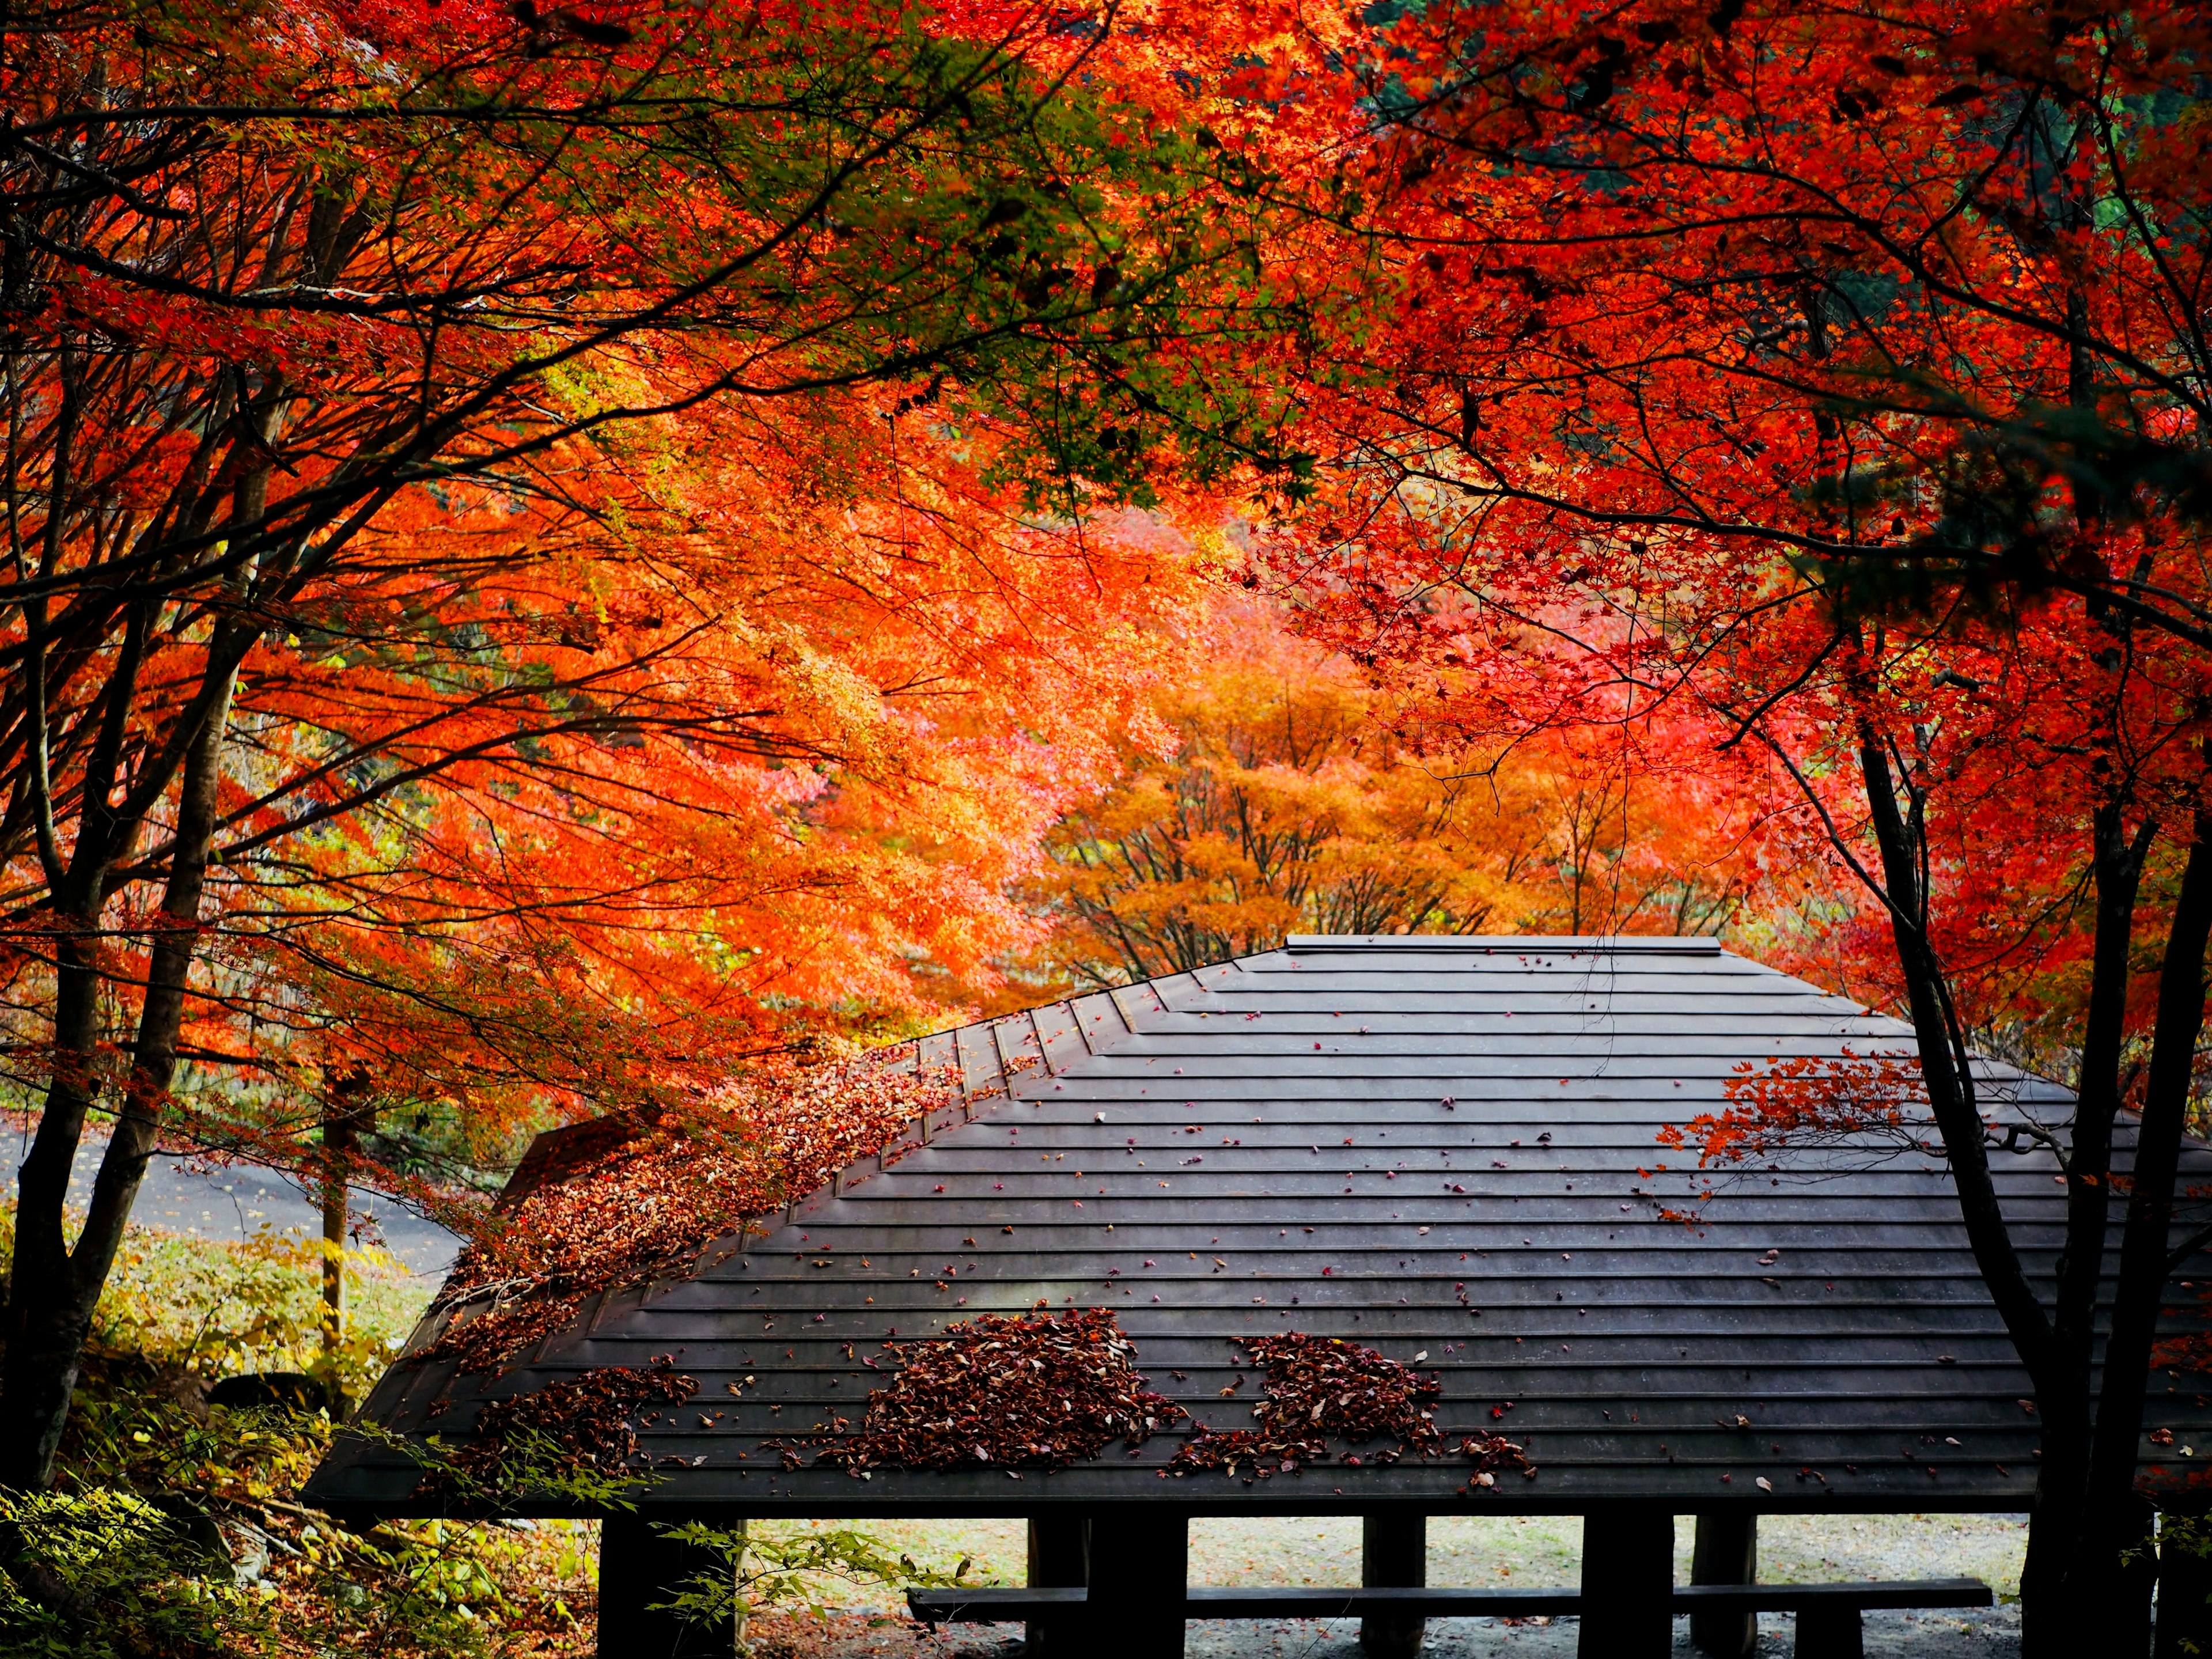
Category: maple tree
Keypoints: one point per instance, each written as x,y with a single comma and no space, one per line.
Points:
556,554
1290,795
550,553
1835,383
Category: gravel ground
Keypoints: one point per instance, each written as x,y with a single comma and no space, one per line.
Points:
1462,1550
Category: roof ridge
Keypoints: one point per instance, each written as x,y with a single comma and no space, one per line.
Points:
1616,944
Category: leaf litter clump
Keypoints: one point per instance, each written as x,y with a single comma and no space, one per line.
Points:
1319,1388
587,1421
645,1209
1494,1454
1004,1391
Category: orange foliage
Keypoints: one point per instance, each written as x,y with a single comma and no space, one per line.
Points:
556,558
1301,797
653,649
1815,396
1811,1100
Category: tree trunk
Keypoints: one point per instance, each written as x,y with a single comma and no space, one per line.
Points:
2061,1392
346,1114
2056,1614
1943,1067
2144,1269
53,1289
47,1324
2086,1530
337,1143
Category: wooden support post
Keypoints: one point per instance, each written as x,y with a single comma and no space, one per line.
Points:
1140,1575
1059,1554
1394,1551
2185,1586
1628,1573
639,1567
1726,1553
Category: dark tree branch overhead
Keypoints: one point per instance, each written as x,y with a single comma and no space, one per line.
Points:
1840,384
306,442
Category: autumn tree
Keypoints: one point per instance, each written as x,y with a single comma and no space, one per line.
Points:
1835,381
504,509
1289,794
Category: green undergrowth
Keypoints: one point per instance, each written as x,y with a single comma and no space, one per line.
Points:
215,1308
174,1530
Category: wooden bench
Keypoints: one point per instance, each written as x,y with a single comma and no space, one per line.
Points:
1827,1615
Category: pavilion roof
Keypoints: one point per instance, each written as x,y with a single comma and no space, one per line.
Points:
1442,1148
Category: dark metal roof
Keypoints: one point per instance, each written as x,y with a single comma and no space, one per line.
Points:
1273,1133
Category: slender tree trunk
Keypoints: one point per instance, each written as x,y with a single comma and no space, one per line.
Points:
346,1113
1943,1069
2061,1391
53,1289
337,1148
2145,1267
45,1332
2058,1525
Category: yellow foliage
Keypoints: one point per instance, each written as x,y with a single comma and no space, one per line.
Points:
1294,802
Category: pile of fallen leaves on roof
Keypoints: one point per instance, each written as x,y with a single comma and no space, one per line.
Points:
647,1209
1043,1391
480,1344
1256,1451
1494,1454
589,1421
1316,1387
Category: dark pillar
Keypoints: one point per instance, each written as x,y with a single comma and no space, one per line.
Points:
1140,1575
1628,1573
639,1567
1727,1553
2185,1586
2129,1619
1394,1551
1830,1633
1059,1554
